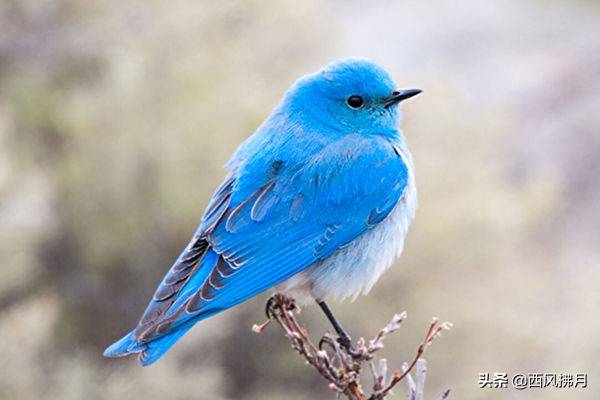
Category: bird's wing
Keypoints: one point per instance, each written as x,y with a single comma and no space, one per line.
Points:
252,240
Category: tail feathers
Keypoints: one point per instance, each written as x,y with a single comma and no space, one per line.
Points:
157,348
150,352
126,345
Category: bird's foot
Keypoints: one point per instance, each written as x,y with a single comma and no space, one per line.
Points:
279,301
269,306
343,341
346,342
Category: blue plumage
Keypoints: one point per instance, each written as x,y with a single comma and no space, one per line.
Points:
323,190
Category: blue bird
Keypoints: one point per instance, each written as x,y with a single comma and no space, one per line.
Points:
317,204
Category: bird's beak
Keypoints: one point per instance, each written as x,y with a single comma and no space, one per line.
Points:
398,95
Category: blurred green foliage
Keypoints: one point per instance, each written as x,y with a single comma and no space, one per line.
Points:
115,119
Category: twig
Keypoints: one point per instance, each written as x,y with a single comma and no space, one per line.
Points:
435,330
340,368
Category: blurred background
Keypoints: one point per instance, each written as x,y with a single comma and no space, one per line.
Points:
117,116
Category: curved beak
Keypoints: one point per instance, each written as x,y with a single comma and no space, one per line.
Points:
398,95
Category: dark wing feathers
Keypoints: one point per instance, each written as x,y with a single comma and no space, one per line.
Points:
187,263
218,205
172,283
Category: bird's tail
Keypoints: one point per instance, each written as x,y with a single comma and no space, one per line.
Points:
150,351
124,346
181,274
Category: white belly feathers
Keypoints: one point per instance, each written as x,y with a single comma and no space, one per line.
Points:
355,268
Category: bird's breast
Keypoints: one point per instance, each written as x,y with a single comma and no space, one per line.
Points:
355,268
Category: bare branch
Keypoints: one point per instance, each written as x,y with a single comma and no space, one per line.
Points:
340,368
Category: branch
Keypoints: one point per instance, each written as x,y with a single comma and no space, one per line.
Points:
340,368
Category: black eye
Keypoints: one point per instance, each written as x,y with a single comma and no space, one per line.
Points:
355,101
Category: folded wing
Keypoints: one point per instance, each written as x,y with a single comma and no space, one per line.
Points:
255,235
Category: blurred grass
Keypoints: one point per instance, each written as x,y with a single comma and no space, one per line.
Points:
115,119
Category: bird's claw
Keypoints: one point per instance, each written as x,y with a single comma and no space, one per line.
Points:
346,343
278,300
269,307
325,340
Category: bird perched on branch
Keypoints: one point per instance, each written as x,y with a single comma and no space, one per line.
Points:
316,204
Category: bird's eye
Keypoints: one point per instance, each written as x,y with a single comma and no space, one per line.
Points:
355,102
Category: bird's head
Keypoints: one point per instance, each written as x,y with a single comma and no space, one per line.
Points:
350,96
